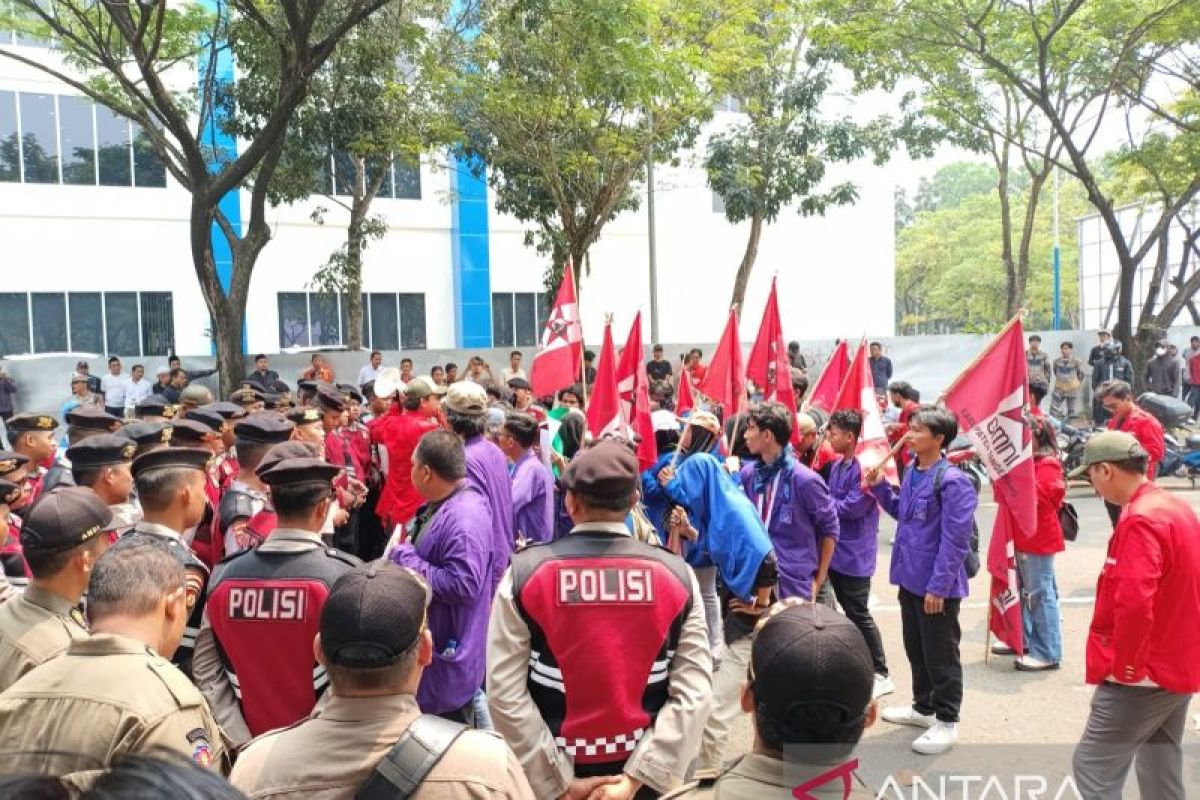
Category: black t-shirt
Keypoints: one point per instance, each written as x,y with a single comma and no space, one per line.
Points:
658,370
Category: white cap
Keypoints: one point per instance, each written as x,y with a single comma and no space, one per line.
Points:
664,420
163,370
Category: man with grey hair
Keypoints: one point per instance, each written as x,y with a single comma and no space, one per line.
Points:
82,711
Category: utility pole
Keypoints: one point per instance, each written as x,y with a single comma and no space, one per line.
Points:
651,242
1057,261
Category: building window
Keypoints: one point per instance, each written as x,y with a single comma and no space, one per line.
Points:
97,146
124,323
403,181
518,318
314,319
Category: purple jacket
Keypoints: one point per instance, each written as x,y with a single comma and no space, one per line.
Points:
801,514
858,519
452,553
487,471
933,535
533,499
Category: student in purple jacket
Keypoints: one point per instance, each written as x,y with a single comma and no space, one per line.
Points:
853,563
532,483
792,501
934,508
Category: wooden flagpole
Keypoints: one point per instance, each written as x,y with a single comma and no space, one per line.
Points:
962,374
582,344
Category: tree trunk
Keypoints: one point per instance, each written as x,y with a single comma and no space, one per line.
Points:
230,359
353,276
1012,294
1022,272
748,259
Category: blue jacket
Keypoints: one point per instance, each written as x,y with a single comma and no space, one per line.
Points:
655,499
731,534
934,533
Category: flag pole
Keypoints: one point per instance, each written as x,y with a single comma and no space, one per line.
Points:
982,353
987,636
582,343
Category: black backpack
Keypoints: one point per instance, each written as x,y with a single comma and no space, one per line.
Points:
972,562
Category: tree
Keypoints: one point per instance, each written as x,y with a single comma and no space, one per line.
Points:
1082,69
135,58
566,99
779,152
375,104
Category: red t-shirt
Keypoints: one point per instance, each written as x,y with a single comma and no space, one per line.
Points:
400,499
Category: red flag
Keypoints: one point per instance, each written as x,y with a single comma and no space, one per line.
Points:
633,387
768,364
556,365
725,382
686,401
858,392
825,391
990,398
604,406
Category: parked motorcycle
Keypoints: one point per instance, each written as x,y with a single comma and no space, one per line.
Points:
1071,441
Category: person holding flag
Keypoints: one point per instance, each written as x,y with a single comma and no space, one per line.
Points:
934,508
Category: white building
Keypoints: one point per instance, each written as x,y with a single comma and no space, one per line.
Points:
95,256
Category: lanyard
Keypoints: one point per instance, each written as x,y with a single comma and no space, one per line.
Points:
766,511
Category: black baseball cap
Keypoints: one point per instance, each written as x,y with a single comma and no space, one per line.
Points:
265,427
806,655
296,471
373,615
64,518
101,450
92,418
608,468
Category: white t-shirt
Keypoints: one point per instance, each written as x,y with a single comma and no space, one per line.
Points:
508,374
367,374
114,387
137,391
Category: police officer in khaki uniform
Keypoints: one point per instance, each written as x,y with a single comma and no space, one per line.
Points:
114,693
375,645
809,694
64,534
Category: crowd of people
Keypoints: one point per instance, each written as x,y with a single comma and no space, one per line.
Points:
443,586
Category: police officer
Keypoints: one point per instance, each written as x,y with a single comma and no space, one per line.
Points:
202,434
103,463
231,413
32,436
254,656
82,422
247,495
374,641
249,398
148,436
64,534
565,613
114,693
13,497
171,488
155,408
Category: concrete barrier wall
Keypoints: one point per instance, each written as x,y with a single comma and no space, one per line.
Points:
929,363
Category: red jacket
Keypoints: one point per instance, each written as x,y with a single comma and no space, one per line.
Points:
1047,539
400,499
1194,370
1147,430
1148,596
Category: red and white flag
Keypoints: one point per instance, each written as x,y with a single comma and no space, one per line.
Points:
858,392
604,416
633,388
768,364
725,382
990,399
825,391
556,365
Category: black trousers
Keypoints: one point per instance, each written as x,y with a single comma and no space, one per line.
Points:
853,595
372,538
931,644
345,537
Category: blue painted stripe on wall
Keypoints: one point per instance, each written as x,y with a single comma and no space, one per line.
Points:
470,255
220,148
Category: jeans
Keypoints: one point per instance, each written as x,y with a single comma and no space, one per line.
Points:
707,578
931,644
479,707
1064,406
1039,601
1191,394
853,595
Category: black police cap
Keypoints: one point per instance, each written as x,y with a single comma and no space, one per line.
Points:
188,432
173,458
9,492
10,462
101,450
64,518
350,392
608,468
267,427
330,399
230,411
207,417
374,615
247,395
519,383
144,434
303,415
92,418
283,452
155,406
28,423
294,471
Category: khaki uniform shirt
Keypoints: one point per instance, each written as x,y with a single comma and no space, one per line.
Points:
34,628
759,777
332,753
109,695
666,750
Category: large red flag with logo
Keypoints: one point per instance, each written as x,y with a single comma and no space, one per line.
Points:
604,407
768,364
858,392
825,391
556,365
725,383
634,392
990,399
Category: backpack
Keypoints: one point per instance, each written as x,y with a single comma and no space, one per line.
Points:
972,562
1068,518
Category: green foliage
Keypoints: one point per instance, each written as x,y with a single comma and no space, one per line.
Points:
954,183
949,271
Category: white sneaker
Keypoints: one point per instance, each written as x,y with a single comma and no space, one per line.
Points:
938,739
907,715
883,685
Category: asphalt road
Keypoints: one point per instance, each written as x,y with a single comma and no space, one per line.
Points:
1028,712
